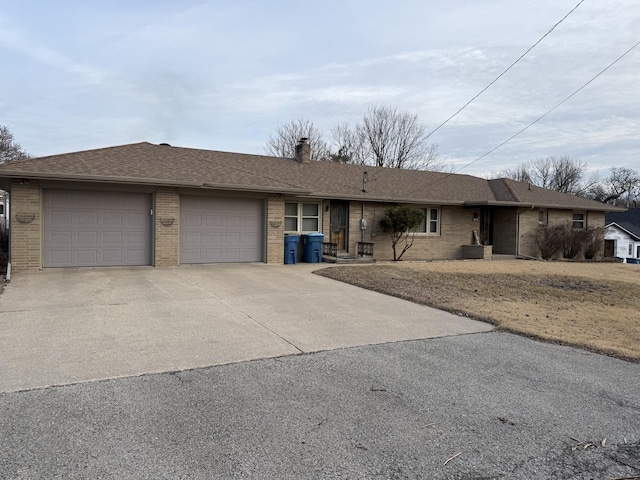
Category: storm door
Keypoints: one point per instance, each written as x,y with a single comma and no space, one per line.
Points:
339,220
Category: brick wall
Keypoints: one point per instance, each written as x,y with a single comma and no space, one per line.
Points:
456,229
275,230
167,227
26,237
529,222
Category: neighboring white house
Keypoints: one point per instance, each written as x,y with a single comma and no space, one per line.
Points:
621,243
622,235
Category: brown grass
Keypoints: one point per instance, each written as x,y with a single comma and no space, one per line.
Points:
589,305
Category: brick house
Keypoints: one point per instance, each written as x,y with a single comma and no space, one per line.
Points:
146,204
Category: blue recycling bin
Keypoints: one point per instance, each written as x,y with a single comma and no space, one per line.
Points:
312,247
291,249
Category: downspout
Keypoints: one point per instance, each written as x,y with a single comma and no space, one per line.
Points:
7,223
363,225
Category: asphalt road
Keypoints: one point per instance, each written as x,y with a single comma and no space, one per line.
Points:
507,406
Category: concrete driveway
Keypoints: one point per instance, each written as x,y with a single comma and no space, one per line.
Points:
68,326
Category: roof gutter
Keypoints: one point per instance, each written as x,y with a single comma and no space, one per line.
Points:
365,198
150,181
605,207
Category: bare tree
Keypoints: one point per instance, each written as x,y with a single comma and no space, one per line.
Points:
396,139
520,174
385,138
283,142
347,145
9,149
621,187
563,174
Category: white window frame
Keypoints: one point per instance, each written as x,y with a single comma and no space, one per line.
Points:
424,229
300,216
583,221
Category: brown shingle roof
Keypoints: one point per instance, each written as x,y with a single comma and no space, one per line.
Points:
146,163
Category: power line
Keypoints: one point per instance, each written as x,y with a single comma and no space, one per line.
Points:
508,68
495,80
536,120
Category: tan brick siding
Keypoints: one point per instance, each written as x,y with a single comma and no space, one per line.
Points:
275,229
528,225
167,234
26,238
529,222
456,229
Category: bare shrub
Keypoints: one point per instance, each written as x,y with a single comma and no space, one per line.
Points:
549,240
594,242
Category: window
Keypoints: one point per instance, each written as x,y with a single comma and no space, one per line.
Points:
630,249
290,217
542,217
301,217
431,222
578,220
1,208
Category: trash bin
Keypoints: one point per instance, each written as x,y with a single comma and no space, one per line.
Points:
635,261
291,248
312,247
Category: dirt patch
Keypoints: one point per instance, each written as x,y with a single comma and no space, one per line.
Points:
594,306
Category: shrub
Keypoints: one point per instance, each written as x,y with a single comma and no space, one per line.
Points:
400,223
549,240
573,240
594,242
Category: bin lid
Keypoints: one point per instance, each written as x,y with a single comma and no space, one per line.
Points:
316,234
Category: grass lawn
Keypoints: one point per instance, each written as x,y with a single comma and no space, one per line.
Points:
590,305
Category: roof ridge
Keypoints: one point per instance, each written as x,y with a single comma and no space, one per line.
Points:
506,182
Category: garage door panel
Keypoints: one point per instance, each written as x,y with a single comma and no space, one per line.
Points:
86,257
113,237
86,218
88,228
62,257
112,218
216,230
87,238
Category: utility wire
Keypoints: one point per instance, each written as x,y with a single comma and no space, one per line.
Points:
508,68
535,121
494,81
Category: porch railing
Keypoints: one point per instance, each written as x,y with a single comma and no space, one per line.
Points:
330,249
365,249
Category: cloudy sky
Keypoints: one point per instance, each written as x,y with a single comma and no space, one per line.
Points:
223,75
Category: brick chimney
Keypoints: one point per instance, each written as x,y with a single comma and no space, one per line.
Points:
303,151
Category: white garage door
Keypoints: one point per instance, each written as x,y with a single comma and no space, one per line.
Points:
219,230
88,228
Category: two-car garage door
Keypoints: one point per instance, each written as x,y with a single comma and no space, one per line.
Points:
93,228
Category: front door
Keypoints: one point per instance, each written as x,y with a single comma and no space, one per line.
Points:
486,226
339,220
609,248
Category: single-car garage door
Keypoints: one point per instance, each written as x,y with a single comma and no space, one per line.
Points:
218,230
89,228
